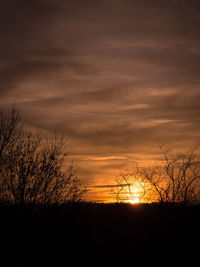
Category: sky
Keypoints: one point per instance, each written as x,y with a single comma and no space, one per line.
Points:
116,77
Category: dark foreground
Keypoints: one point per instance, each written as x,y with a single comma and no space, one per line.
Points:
97,233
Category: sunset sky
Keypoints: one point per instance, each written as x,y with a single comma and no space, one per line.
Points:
116,77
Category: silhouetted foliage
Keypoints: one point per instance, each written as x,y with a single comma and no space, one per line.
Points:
35,168
175,178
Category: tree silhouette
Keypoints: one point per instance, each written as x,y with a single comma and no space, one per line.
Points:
35,168
175,178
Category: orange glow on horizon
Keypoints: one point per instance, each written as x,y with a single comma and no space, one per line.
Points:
134,201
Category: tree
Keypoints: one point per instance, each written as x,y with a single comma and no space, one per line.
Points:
175,179
36,169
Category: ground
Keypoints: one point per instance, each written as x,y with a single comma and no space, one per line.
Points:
97,232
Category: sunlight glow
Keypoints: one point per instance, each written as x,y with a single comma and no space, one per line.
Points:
134,201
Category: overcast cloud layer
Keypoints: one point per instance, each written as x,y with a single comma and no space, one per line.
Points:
116,77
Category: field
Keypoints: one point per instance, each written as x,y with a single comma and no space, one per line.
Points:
97,232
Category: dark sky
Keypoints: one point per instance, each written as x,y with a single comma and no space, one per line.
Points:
116,77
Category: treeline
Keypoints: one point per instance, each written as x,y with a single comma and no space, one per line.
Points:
98,232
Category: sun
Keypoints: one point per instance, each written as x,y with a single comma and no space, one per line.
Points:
134,201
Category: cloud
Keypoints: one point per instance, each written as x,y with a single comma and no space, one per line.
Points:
115,77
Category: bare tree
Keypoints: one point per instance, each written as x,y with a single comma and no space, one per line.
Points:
176,178
37,169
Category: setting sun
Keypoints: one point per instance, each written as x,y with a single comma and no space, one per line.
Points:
134,201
